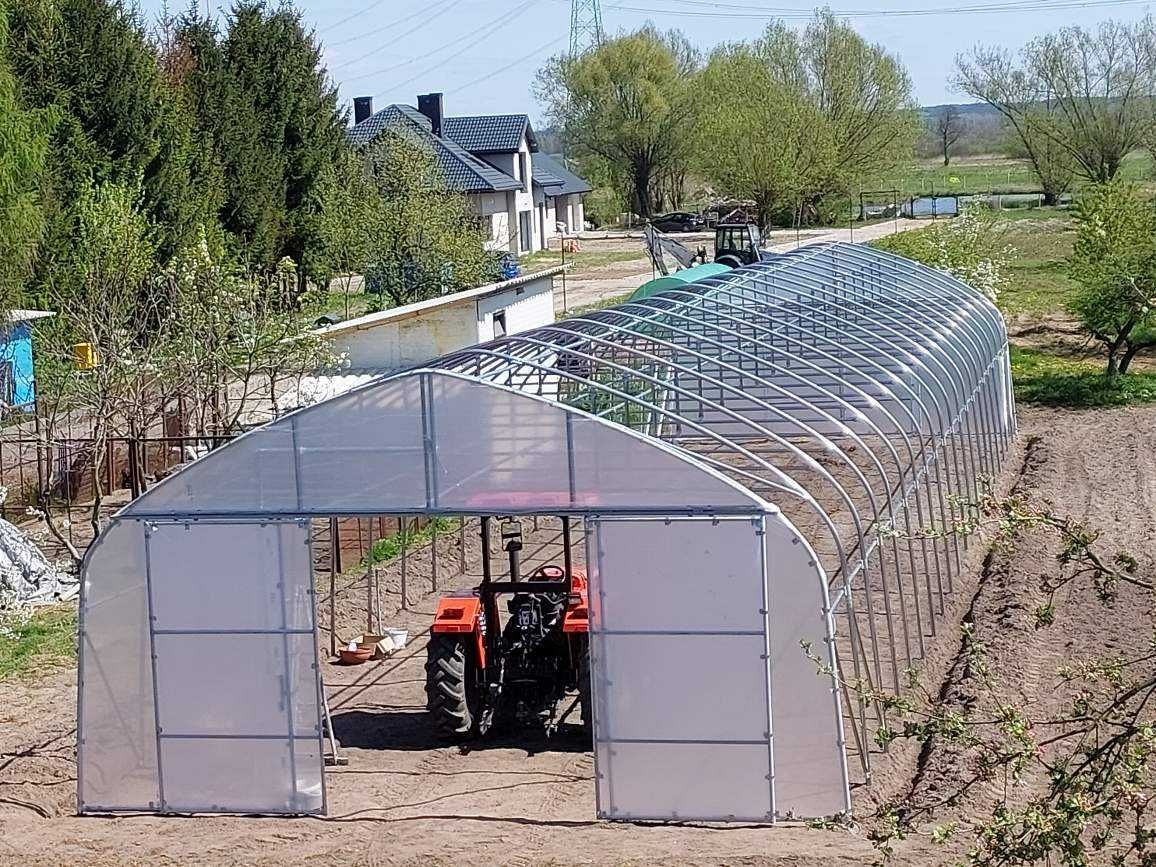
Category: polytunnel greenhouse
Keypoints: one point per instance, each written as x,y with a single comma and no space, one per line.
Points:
753,459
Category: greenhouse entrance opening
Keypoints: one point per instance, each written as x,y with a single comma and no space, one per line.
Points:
750,460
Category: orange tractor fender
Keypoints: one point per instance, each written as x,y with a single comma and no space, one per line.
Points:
577,617
462,613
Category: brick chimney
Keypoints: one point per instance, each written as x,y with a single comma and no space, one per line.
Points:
362,108
430,104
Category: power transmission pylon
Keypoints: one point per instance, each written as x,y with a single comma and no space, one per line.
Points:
585,26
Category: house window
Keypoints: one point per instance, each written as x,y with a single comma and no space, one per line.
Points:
499,324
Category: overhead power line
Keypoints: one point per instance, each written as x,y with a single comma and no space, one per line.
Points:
431,14
388,26
745,11
355,15
470,39
546,46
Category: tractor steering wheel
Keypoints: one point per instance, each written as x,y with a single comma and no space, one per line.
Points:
549,573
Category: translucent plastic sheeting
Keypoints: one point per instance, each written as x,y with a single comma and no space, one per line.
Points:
223,711
117,740
687,667
437,441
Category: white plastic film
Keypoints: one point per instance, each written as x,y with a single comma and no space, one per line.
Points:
682,716
488,449
681,672
810,765
503,451
117,746
236,685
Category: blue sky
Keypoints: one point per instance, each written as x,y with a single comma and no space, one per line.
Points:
483,54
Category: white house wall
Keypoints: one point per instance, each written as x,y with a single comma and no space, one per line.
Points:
491,207
520,167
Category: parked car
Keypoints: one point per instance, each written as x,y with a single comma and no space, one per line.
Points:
680,221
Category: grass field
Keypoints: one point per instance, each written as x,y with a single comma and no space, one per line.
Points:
31,644
1037,299
987,174
580,262
1039,281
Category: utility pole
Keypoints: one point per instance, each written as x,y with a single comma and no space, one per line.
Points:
585,26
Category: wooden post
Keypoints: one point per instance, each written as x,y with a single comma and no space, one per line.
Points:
334,550
433,553
404,565
462,545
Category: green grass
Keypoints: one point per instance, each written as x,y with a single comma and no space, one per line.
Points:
984,175
1038,279
33,643
385,550
1054,380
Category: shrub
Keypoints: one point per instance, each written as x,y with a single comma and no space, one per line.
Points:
970,248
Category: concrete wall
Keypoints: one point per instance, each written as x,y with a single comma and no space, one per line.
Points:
525,308
419,332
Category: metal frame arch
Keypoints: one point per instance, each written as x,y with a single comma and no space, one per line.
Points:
870,402
891,322
828,444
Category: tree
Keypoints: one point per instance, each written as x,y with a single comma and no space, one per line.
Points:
790,118
347,218
757,137
626,105
90,61
1083,92
23,153
236,337
100,300
265,103
1114,263
426,240
949,126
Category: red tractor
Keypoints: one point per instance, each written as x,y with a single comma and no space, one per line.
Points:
479,672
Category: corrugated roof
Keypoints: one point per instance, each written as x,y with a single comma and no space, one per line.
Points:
571,184
28,315
461,170
489,133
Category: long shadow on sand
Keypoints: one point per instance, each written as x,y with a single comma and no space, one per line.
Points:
414,730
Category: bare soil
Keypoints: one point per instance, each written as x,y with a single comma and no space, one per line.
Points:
404,798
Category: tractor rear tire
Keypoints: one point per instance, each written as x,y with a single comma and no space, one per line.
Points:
586,695
450,675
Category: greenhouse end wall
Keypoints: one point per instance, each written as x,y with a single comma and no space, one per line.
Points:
708,705
198,685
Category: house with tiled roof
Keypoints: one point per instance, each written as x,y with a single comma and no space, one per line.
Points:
522,197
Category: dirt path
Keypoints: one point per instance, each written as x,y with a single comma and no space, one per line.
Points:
404,798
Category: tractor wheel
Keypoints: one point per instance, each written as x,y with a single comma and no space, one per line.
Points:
731,261
586,695
450,685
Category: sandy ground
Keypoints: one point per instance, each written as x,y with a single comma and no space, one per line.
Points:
404,798
597,284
